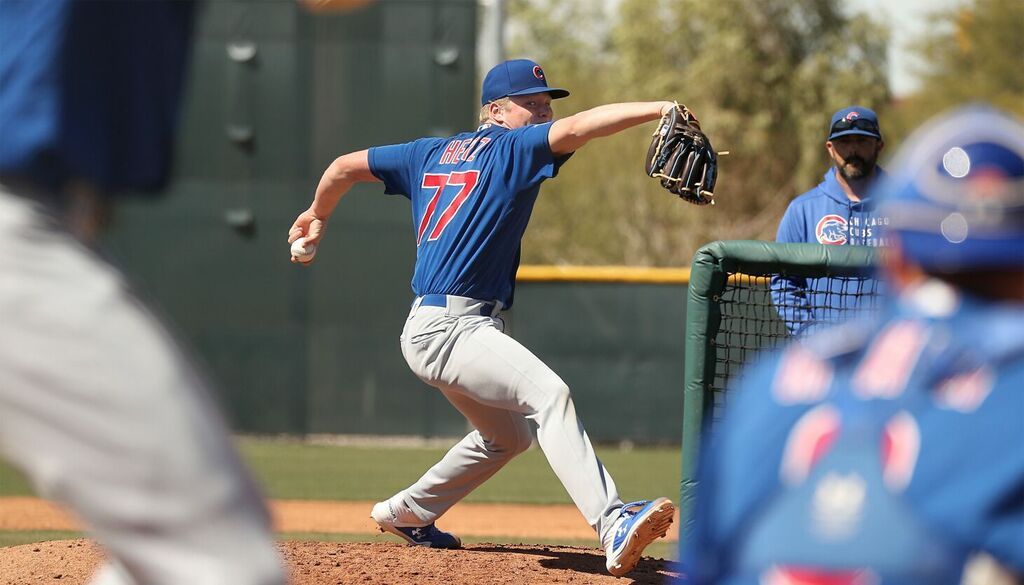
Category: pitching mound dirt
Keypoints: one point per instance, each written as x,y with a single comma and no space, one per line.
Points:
71,562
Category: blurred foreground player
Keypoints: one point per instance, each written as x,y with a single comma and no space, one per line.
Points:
889,453
98,405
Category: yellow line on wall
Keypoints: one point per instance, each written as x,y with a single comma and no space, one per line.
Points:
634,274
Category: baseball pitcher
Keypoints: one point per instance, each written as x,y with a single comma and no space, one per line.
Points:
472,195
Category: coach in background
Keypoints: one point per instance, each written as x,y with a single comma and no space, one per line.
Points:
98,405
838,211
888,451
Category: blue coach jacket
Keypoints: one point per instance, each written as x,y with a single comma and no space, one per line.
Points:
825,215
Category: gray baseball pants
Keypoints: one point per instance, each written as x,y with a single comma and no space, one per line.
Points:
104,413
498,385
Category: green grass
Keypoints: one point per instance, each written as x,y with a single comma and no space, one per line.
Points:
12,483
292,470
19,537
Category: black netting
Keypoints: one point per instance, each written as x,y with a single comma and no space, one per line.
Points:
751,320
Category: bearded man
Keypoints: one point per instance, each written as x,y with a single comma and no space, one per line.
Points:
837,212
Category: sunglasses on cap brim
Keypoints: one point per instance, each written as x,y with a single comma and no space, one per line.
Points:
858,123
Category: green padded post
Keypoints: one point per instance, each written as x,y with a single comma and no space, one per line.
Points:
712,266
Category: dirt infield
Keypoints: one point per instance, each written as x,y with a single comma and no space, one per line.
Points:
70,562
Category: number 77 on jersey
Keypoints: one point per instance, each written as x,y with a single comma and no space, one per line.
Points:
465,181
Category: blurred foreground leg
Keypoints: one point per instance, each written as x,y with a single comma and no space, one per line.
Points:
106,414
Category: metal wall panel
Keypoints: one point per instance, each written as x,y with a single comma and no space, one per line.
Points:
274,95
619,347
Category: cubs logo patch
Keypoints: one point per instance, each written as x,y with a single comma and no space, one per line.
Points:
964,392
538,72
851,116
901,444
802,378
809,440
831,230
838,505
884,371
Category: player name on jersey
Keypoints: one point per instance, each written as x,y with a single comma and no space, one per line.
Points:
462,150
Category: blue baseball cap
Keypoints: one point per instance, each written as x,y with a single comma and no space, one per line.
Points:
954,194
854,120
516,77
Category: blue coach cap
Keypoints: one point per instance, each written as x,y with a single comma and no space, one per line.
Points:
854,120
955,192
516,77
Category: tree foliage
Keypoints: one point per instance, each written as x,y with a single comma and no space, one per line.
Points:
974,52
763,76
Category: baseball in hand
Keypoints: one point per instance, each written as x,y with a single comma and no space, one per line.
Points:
303,252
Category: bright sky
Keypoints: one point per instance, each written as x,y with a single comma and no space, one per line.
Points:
906,19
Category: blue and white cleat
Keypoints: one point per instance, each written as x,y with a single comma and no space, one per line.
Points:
428,535
639,524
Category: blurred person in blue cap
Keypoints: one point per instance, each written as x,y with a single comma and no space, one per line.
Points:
887,451
839,211
99,406
472,195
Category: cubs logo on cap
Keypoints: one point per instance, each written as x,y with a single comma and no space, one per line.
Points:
854,120
516,77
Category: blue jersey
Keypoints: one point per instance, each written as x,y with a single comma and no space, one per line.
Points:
883,453
106,114
825,215
472,195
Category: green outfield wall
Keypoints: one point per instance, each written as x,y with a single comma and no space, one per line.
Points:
274,94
